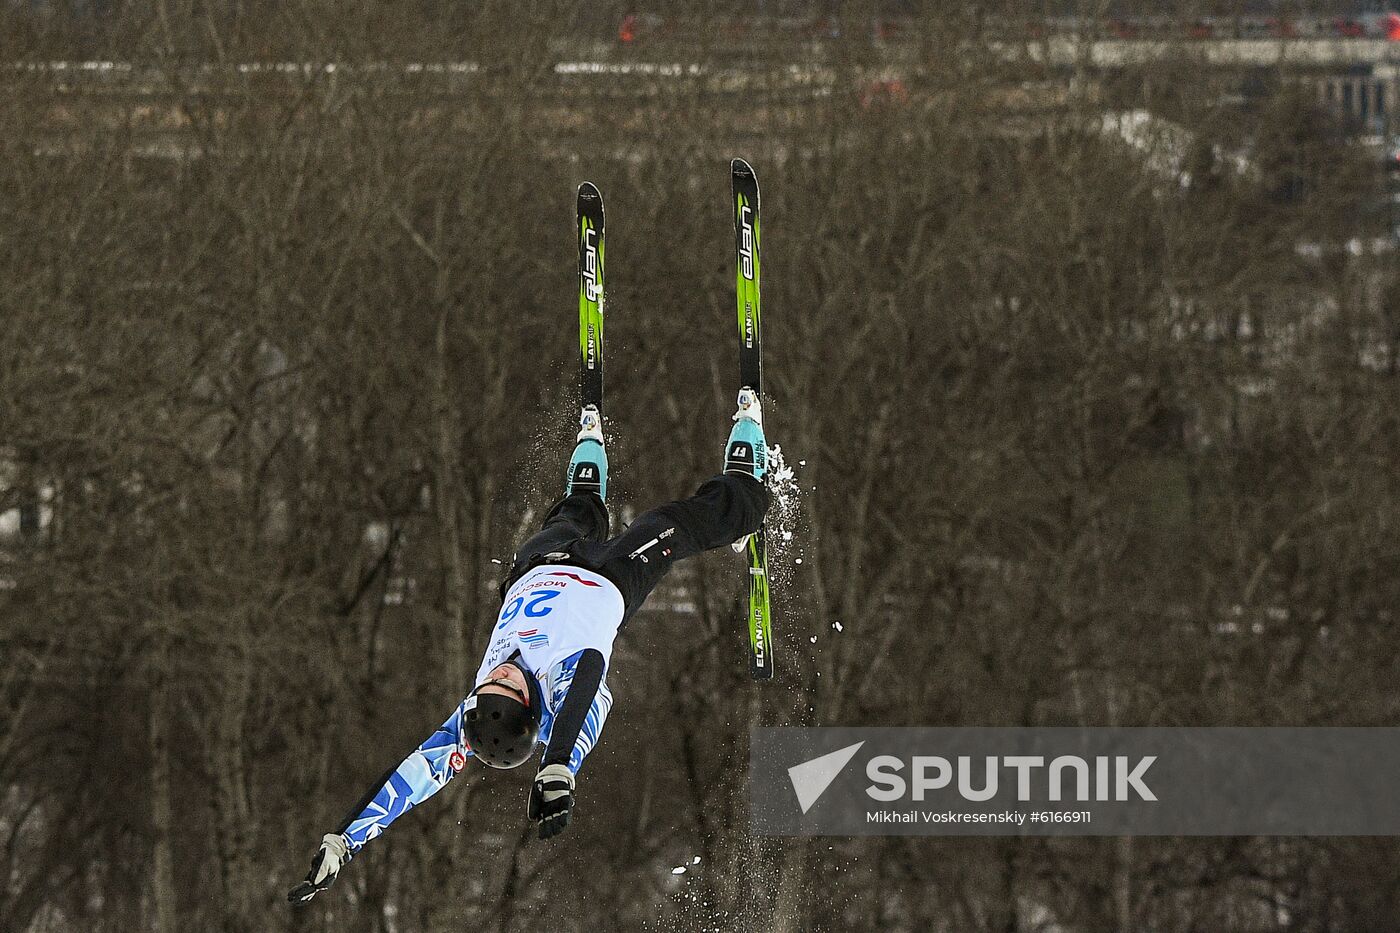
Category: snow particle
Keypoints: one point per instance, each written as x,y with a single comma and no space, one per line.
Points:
678,870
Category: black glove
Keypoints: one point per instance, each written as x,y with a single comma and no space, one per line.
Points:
324,867
552,799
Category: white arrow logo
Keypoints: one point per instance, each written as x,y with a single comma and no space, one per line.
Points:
811,778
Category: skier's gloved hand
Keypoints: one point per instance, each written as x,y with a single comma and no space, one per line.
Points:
324,867
552,799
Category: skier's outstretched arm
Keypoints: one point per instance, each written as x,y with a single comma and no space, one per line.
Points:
425,771
579,718
578,721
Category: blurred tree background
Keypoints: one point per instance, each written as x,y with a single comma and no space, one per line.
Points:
1092,374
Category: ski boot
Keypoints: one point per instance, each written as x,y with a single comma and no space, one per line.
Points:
747,451
588,468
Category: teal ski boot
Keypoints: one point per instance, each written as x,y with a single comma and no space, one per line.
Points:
747,451
588,467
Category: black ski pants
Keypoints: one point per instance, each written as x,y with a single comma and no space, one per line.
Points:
721,511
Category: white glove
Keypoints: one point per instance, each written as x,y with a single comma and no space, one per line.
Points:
324,867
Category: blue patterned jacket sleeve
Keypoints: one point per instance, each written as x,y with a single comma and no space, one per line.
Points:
423,773
592,727
561,682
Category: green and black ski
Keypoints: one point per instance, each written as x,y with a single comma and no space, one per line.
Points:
590,295
588,468
744,186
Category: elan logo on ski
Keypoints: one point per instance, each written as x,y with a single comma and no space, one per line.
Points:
745,240
591,286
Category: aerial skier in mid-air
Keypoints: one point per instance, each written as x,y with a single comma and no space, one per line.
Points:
569,591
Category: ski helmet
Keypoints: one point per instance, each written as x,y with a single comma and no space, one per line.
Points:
500,730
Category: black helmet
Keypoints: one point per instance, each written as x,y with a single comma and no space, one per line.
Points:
501,731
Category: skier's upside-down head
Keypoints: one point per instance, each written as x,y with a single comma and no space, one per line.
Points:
506,680
502,721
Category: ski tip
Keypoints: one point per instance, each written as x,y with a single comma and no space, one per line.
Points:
589,192
740,167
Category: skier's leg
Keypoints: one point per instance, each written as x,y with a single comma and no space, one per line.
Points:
722,510
581,515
